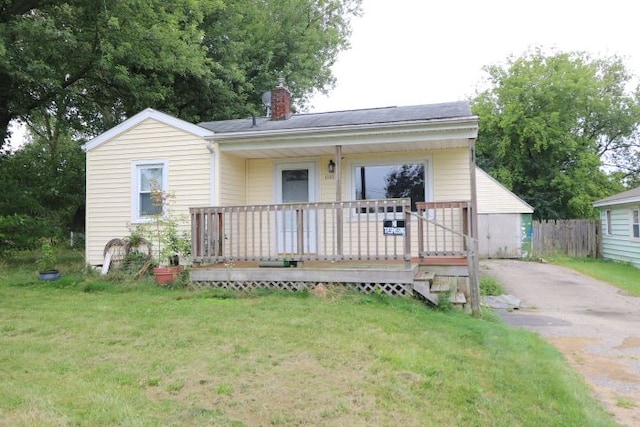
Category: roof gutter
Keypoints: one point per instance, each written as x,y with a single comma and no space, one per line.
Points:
430,125
617,202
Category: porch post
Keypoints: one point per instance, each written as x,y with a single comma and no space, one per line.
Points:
339,213
407,237
474,265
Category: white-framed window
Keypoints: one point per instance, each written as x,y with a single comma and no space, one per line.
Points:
607,221
393,179
147,176
635,223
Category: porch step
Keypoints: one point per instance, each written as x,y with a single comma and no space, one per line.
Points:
432,298
424,292
424,276
458,298
444,284
429,286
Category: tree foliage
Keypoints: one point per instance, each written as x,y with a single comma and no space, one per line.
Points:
553,126
73,69
43,189
94,63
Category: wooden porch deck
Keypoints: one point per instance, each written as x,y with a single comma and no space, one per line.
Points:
369,246
392,278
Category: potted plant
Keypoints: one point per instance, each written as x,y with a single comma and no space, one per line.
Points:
167,239
47,262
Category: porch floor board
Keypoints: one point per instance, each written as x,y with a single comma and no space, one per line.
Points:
306,265
310,273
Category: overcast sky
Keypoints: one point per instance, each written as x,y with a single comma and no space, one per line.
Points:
407,52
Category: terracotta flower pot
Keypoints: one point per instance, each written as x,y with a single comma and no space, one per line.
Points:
163,275
166,275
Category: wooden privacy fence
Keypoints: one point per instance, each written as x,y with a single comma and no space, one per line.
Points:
572,237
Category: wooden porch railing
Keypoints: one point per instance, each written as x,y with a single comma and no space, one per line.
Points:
444,229
352,230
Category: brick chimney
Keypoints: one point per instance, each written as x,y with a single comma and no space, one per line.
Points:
280,102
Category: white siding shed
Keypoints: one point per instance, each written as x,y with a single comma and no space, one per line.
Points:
504,220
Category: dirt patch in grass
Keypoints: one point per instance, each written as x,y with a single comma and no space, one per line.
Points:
601,372
629,342
297,390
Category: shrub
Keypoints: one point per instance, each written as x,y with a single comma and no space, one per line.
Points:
489,286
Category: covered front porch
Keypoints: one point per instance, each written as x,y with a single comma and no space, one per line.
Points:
370,245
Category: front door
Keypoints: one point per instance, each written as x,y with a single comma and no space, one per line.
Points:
295,183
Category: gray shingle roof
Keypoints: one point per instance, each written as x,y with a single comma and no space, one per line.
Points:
345,118
629,196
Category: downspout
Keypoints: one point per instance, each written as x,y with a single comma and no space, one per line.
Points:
214,149
474,265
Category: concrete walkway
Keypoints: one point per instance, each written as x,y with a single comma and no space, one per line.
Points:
595,325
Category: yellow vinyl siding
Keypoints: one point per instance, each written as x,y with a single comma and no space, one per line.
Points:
232,180
327,181
451,175
261,182
109,178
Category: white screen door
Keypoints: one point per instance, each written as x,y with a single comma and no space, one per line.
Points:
295,183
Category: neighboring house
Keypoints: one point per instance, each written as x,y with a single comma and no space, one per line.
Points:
370,186
620,219
504,220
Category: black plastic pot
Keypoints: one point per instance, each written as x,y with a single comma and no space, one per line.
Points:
49,275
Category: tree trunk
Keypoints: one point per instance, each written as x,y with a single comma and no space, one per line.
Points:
5,119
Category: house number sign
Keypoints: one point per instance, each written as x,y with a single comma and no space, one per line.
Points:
393,227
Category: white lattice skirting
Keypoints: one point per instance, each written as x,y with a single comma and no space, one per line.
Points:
392,289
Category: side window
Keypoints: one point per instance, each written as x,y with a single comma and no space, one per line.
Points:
635,223
608,221
148,177
391,181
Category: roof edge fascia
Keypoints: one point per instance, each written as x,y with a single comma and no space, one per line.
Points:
430,125
628,200
148,113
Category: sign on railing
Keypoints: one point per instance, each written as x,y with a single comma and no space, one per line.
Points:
393,227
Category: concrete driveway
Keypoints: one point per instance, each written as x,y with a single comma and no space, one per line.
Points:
595,325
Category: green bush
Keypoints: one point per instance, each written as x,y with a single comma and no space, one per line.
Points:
444,301
18,232
489,286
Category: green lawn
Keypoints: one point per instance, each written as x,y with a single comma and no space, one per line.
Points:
624,276
85,351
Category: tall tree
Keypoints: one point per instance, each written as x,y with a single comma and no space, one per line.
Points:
43,186
548,123
106,59
103,61
251,43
